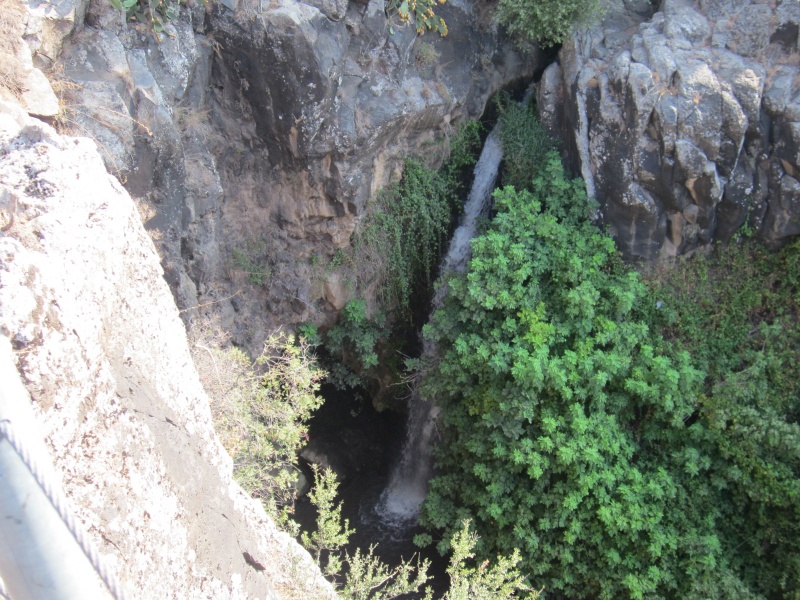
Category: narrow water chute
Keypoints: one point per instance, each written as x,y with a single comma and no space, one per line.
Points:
400,502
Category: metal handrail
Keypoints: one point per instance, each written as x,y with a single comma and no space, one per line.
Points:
44,552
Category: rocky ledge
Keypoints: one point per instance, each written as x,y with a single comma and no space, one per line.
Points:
101,349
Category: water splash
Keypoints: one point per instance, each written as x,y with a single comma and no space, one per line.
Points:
401,500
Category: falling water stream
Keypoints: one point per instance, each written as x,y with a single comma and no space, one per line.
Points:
400,502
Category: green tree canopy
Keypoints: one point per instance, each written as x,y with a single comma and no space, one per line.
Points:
573,432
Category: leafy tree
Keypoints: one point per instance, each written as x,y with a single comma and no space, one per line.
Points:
573,431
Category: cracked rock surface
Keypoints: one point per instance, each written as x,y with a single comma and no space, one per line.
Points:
684,123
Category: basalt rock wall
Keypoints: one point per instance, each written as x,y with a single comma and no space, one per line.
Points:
254,135
684,123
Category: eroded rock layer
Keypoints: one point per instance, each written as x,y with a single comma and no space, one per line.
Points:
256,134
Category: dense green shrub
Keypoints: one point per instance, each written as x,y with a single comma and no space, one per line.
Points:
573,431
546,22
353,344
737,312
405,231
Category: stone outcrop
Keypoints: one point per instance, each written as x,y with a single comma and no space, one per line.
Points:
21,79
255,135
98,341
686,123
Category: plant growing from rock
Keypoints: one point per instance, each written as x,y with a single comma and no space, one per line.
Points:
405,232
353,342
425,55
546,22
418,13
525,142
260,411
155,13
249,261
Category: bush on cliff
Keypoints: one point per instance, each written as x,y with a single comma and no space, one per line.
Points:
546,22
367,577
406,230
261,411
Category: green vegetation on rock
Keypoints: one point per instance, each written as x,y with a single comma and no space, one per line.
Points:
525,142
261,410
353,344
420,14
545,22
367,577
405,231
155,13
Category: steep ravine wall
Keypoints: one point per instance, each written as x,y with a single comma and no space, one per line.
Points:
254,135
102,351
235,135
685,123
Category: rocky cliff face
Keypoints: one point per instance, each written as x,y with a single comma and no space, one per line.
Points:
102,351
686,123
255,135
251,141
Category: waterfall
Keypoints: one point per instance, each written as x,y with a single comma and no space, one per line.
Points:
401,500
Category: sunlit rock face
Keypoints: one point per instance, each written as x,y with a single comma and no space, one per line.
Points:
101,349
685,123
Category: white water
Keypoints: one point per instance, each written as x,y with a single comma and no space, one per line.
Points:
401,500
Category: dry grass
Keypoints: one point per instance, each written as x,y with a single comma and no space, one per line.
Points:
12,22
192,121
